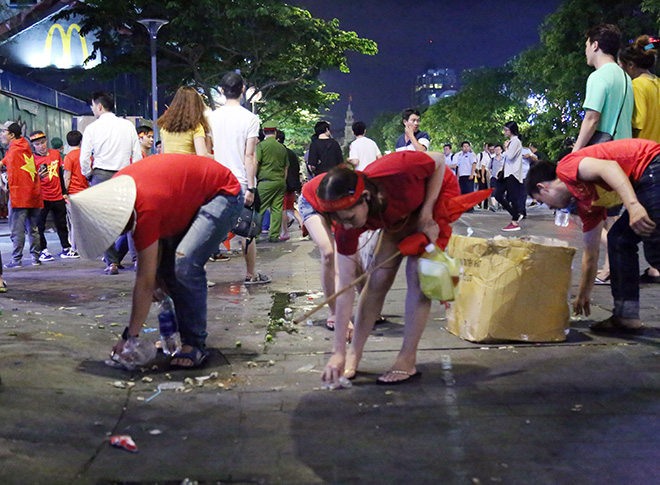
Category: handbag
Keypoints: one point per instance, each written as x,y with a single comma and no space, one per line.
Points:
249,223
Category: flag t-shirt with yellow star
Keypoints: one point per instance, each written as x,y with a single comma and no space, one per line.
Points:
51,185
24,186
593,199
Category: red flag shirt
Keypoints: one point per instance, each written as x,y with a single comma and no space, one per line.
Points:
51,183
633,156
24,187
72,164
170,190
402,176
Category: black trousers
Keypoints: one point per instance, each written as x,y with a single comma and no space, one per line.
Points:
508,193
58,208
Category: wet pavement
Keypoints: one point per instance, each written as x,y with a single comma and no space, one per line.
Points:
582,411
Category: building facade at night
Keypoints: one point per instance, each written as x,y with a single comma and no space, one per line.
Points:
434,84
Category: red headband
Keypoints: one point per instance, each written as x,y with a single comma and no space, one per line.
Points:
345,202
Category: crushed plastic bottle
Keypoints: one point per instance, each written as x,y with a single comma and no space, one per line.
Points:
562,217
135,353
169,329
438,274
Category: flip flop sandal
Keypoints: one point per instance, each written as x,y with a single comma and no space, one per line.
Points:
196,356
646,278
3,288
410,378
613,326
350,371
602,281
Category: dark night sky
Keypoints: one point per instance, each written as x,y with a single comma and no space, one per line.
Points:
413,35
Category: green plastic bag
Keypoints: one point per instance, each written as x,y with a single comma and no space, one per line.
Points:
439,274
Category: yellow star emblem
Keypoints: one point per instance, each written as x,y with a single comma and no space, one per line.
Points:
606,198
29,166
52,170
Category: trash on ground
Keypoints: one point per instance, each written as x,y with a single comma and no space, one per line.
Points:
124,441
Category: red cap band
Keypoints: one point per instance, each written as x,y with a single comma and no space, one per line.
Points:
346,201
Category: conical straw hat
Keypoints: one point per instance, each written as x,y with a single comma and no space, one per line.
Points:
100,213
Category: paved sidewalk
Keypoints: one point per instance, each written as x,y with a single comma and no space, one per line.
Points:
584,411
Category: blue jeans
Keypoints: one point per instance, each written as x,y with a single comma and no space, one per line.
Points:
622,245
20,219
305,208
183,259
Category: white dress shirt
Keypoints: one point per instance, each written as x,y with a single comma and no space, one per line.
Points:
112,142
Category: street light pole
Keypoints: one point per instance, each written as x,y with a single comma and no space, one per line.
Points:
153,26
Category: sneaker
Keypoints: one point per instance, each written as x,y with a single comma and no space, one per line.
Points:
219,257
69,253
45,256
14,264
284,238
511,227
36,262
259,279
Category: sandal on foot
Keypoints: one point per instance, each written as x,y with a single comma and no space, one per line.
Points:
411,377
196,356
258,279
646,278
602,281
330,324
613,325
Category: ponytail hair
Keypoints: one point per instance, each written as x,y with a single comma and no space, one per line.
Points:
642,53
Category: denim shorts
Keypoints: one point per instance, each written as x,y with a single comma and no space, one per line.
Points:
305,208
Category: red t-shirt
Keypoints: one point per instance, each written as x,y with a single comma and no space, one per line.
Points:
72,164
170,190
632,154
24,187
51,188
402,176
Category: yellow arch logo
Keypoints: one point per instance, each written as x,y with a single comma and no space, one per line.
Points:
66,42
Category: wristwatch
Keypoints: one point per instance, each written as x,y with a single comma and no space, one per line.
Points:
125,335
251,189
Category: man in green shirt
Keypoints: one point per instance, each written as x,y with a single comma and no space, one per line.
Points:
609,100
272,165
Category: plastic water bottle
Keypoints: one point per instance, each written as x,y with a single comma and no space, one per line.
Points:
562,217
169,329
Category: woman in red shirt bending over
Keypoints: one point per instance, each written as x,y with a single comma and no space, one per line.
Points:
400,193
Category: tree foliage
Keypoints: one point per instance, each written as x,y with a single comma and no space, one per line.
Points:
478,112
280,49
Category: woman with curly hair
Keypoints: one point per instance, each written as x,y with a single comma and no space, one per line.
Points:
183,127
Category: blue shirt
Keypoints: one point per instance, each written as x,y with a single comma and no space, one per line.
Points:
421,136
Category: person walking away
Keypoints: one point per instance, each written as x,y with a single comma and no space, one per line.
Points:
74,181
114,144
184,126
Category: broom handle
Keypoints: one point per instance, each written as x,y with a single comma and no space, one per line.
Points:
350,285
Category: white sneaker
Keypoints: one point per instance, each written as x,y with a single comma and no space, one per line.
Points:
45,256
69,253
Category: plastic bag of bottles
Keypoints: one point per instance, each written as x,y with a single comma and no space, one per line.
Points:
136,353
439,274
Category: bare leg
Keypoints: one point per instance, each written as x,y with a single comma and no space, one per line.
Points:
418,307
604,272
250,256
371,301
284,230
325,241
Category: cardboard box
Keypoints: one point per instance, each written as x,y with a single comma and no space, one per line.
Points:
511,289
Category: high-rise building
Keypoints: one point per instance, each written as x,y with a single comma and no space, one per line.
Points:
434,84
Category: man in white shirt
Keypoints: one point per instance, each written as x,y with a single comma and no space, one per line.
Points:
466,164
483,162
363,151
449,158
235,131
113,144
